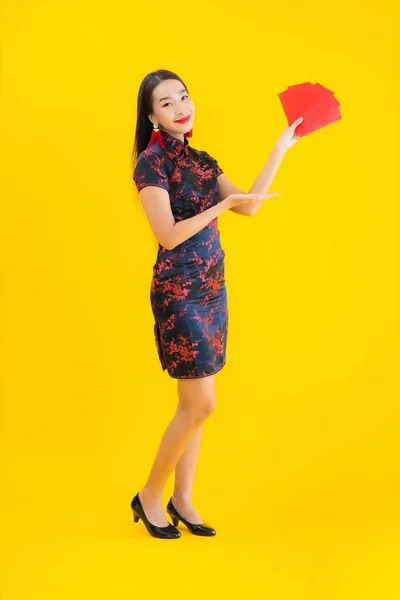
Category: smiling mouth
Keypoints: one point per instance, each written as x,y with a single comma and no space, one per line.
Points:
184,120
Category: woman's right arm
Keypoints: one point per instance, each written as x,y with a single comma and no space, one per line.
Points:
182,230
169,233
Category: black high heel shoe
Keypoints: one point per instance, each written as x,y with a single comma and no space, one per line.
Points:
195,528
168,532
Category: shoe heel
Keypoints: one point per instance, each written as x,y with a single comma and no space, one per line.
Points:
175,519
167,532
135,516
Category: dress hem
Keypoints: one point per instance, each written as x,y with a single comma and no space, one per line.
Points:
198,376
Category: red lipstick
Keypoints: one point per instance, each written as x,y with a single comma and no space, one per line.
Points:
185,120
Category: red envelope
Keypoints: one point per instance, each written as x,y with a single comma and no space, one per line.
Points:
314,102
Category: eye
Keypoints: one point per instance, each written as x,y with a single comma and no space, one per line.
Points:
170,102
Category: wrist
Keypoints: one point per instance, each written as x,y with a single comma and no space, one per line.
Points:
227,202
280,149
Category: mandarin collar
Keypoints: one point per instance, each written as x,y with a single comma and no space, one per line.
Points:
174,147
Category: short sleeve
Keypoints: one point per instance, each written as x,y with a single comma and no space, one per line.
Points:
215,164
150,170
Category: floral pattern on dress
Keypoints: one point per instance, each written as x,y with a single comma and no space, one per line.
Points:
187,293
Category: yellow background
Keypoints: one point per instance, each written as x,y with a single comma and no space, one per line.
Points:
299,465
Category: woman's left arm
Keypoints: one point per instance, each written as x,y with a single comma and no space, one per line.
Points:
262,183
264,180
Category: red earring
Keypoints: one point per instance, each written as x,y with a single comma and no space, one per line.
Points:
156,137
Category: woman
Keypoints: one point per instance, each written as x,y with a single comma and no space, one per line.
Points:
183,191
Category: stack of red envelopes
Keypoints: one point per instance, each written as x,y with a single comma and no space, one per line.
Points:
314,102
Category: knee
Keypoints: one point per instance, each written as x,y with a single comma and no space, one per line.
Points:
197,397
202,409
205,408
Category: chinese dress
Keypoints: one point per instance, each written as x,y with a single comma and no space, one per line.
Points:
187,294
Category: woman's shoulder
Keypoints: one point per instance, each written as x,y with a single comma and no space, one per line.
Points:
151,152
202,154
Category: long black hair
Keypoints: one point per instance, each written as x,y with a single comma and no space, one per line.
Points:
144,126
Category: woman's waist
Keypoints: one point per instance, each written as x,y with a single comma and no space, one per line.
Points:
189,252
191,263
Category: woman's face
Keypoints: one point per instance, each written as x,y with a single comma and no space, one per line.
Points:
171,102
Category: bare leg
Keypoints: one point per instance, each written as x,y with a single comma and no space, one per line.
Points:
186,467
195,405
184,478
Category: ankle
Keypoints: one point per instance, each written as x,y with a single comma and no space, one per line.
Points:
181,498
150,496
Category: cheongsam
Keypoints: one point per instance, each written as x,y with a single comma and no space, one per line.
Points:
187,293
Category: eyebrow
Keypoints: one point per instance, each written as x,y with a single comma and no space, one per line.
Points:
168,97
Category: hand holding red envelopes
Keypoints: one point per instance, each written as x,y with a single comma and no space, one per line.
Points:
314,102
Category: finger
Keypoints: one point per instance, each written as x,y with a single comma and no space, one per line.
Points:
297,122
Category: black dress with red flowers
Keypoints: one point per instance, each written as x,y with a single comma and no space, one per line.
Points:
188,294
